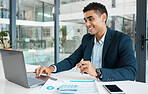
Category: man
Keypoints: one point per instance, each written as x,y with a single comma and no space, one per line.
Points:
107,54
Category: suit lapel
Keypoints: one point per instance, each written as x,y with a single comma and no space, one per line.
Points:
106,44
88,50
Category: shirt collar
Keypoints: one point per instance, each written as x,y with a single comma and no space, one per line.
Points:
101,40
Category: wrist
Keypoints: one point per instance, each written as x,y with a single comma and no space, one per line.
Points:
99,73
52,68
96,74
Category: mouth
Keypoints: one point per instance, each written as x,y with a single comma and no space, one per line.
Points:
90,28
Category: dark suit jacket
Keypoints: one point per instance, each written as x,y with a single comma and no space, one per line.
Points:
118,59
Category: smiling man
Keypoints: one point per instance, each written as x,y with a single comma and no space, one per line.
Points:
107,54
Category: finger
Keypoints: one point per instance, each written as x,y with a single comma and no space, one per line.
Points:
37,72
84,70
83,67
47,72
41,71
81,63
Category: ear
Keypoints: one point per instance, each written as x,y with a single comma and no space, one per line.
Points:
104,17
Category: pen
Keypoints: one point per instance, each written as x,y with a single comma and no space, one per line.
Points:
77,68
53,78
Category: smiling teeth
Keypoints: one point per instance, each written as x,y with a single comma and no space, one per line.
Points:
91,28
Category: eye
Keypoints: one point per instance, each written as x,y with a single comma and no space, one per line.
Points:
90,19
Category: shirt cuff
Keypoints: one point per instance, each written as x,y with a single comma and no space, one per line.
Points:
55,68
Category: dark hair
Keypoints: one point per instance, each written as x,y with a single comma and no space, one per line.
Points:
97,7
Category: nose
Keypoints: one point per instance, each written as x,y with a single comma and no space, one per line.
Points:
87,24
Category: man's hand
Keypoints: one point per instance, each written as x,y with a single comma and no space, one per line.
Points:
44,70
86,66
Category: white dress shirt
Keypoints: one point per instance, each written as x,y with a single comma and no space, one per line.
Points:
96,57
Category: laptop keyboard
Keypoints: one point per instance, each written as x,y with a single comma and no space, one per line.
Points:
33,81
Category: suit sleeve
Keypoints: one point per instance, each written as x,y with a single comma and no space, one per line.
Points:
127,62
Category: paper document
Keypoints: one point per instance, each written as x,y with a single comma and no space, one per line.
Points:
85,87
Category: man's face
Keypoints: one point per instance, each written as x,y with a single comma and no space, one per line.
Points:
94,22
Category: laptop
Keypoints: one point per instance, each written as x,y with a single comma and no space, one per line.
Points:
15,69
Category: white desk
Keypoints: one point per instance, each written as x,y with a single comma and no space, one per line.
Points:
130,87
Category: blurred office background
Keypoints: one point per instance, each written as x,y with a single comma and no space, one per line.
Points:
35,26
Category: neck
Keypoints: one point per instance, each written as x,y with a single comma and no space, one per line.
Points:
100,34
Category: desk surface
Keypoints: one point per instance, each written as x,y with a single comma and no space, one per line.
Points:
130,87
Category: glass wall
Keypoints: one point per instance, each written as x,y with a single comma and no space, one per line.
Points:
122,17
72,26
4,8
4,22
35,31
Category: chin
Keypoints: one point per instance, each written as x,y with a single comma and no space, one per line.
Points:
91,33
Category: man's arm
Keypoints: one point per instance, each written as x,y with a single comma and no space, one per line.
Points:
75,58
65,64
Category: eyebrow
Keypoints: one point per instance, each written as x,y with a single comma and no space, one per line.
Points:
88,17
